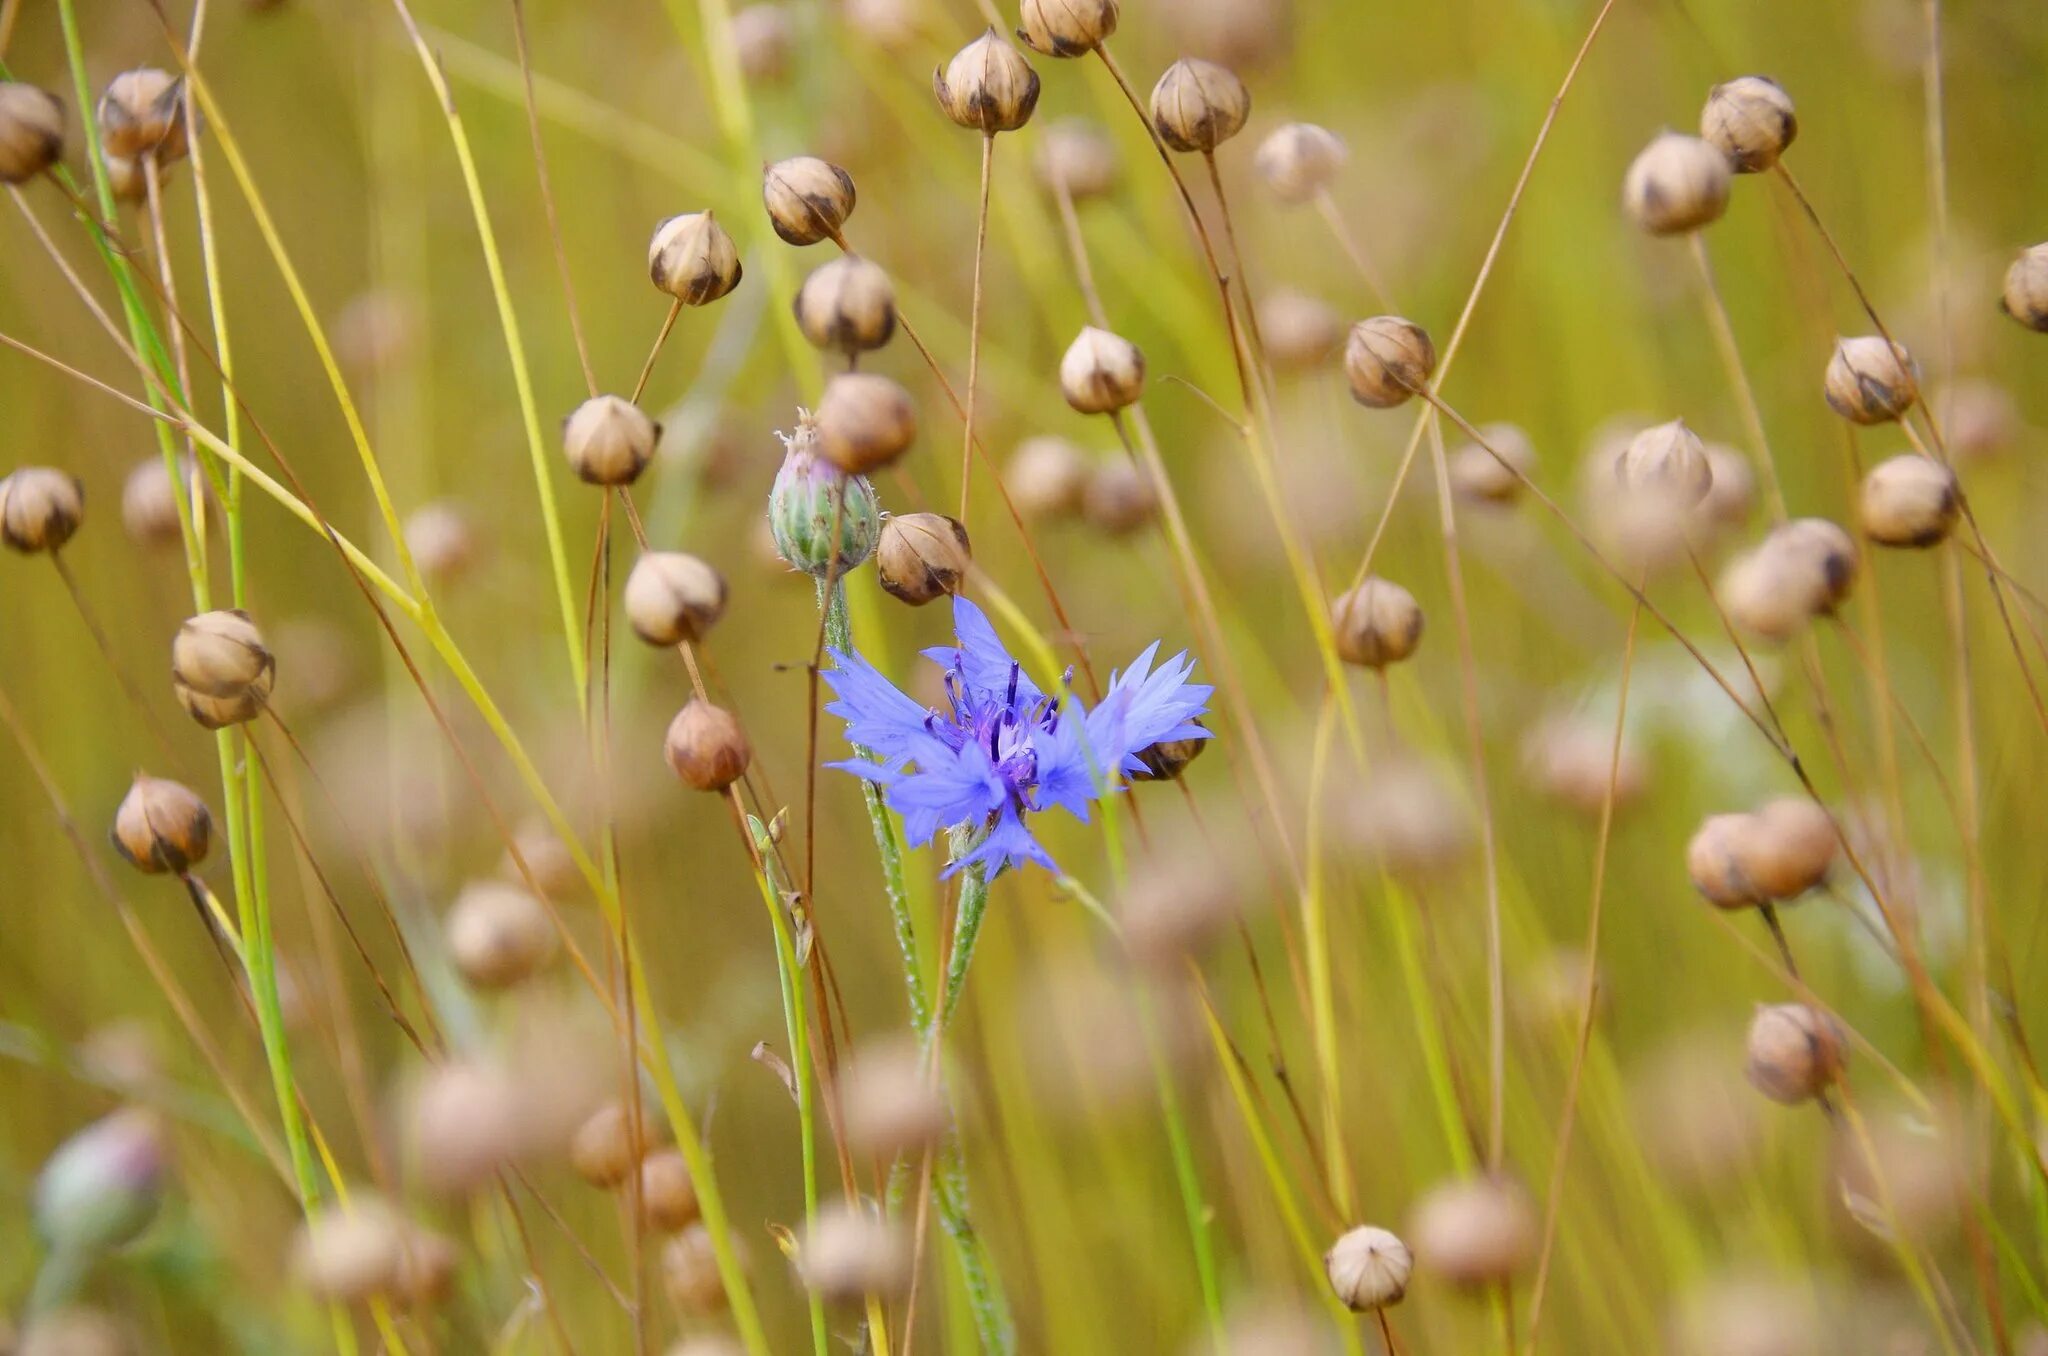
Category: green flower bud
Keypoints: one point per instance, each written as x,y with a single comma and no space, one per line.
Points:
804,504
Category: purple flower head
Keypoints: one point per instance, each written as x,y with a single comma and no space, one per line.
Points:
1004,750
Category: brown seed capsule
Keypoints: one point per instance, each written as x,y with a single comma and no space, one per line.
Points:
31,131
1677,184
498,935
889,1101
1046,477
1824,556
689,1271
762,38
218,713
351,1253
1301,331
1795,1052
1198,105
162,827
1799,572
149,503
691,258
606,1148
987,86
672,597
1491,476
1909,501
848,305
439,537
40,509
128,180
1376,624
1475,1232
668,1198
1101,372
1786,849
922,556
1120,497
1749,120
1368,1268
1870,381
706,746
143,112
1299,160
808,199
2025,298
865,422
1168,758
1714,860
1386,360
848,1253
1067,28
222,654
609,440
1074,154
1666,460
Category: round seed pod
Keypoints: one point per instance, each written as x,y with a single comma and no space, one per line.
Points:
1491,476
1677,184
1570,758
352,1252
1749,120
1786,848
1909,501
1120,498
668,1198
218,713
865,422
847,305
1870,381
762,38
808,199
553,869
706,746
609,440
1168,758
31,131
498,935
987,86
922,556
162,827
141,113
1386,360
1368,1268
1714,860
149,503
1795,1052
1173,908
2025,298
101,1188
1732,494
672,597
1198,105
606,1148
892,25
847,1254
1825,555
1803,569
439,537
40,509
1299,160
1242,33
222,654
810,497
1301,331
1981,419
1046,477
1376,624
1476,1232
1066,28
1666,460
689,1271
889,1103
1101,372
1075,155
691,258
128,179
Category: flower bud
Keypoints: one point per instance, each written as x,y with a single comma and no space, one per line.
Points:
1493,476
1046,477
1120,497
1101,372
848,1253
672,597
1066,28
762,40
2025,298
609,440
865,422
1787,848
608,1146
1870,381
1387,359
987,86
808,199
102,1186
1677,184
498,935
31,131
1076,155
143,113
1909,501
1666,460
1749,120
1198,105
1301,331
889,1103
1368,1268
222,654
149,503
692,259
1376,624
440,540
923,556
1475,1232
352,1252
847,305
706,746
689,1272
668,1198
161,826
40,509
1299,160
1795,1052
807,500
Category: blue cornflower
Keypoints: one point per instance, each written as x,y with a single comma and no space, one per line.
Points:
1004,750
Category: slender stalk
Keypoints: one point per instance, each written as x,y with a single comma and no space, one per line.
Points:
988,155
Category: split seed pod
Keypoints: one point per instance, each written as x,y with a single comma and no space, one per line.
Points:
1198,105
988,86
1101,372
847,305
865,422
609,440
1376,624
31,131
222,654
1870,381
1749,120
1677,184
922,556
706,746
808,199
672,597
1067,28
40,509
692,259
1386,360
162,827
1667,459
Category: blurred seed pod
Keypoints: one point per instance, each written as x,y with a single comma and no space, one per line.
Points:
31,131
1239,33
672,597
1101,372
1795,1052
848,1253
1490,476
442,543
667,1194
1696,1119
40,509
1176,903
691,258
988,86
847,305
689,1272
1909,501
149,502
1979,418
1368,1268
892,25
124,1054
890,1101
1272,1327
162,827
1732,494
1120,498
376,332
352,1252
1572,758
1076,155
609,440
1301,331
1793,846
1749,1315
1386,360
1911,1179
706,746
1870,380
1406,819
1750,120
1376,624
1666,459
808,199
76,1331
922,556
1046,477
548,859
498,935
1802,570
763,38
2025,297
610,1143
707,1344
1477,1231
1198,105
1299,161
1677,184
1066,28
467,1119
102,1187
865,422
1550,991
142,113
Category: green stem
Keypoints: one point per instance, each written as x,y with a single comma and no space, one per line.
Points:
1184,1173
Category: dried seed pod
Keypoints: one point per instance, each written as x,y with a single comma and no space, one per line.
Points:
1732,494
1666,460
865,422
1677,184
808,199
2025,298
987,86
691,258
606,1148
1368,1268
31,131
1101,372
848,1253
1476,1232
1786,848
1795,1052
923,556
762,39
1241,33
222,654
672,597
847,305
1299,160
1493,476
149,503
439,537
1802,570
1714,861
1168,758
1067,28
810,499
162,827
1046,477
40,509
1386,360
141,113
128,180
102,1186
1824,556
668,1198
1198,105
1301,331
689,1271
1076,155
1909,501
351,1253
1376,624
609,440
218,713
1749,120
1120,497
1870,381
498,935
889,1101
706,746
